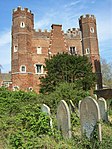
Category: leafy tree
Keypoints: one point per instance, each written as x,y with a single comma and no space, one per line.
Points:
106,73
64,91
67,68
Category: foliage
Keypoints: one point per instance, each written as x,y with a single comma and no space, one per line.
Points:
21,118
106,73
67,68
24,126
64,91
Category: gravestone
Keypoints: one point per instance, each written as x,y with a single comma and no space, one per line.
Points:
90,117
46,110
79,108
103,109
71,106
63,119
95,96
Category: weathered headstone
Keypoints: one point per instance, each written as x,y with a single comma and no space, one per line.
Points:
63,119
79,108
90,117
95,96
46,110
103,109
71,106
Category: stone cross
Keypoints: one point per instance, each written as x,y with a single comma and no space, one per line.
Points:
90,117
46,110
103,109
63,119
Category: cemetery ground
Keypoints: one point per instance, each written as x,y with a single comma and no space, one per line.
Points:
23,125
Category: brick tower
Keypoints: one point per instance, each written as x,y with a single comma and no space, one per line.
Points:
90,44
30,48
22,25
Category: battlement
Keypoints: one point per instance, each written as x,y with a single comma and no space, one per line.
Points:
41,31
73,30
73,33
20,9
87,16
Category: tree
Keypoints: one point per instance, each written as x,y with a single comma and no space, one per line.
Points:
67,68
106,69
64,91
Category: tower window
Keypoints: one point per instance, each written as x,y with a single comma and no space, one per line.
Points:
73,50
39,50
22,25
15,48
39,68
91,29
30,89
15,88
87,51
23,68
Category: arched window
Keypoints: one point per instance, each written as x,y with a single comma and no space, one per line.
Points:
22,68
92,29
22,25
87,51
15,48
15,88
30,89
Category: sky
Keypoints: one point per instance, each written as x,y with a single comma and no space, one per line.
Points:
65,12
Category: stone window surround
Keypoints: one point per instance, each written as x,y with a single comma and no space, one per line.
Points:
38,68
21,68
39,50
87,50
22,25
92,29
15,88
15,48
30,88
72,50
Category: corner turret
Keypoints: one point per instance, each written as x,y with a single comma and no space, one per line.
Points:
90,47
22,28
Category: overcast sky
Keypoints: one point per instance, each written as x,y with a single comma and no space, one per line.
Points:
65,12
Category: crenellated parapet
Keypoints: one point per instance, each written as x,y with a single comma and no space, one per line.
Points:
41,33
73,33
23,12
87,18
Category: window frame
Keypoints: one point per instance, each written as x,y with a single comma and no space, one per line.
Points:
87,50
92,29
72,50
41,68
15,88
15,48
22,25
22,70
39,50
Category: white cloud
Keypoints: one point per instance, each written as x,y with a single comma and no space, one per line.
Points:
72,4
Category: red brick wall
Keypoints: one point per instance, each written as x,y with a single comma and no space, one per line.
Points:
53,41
